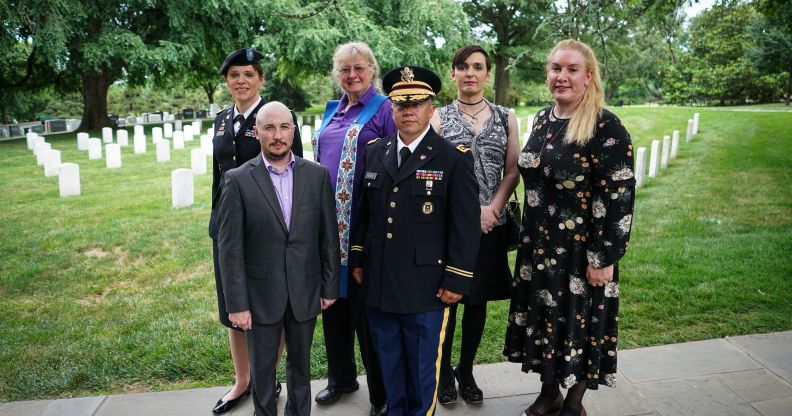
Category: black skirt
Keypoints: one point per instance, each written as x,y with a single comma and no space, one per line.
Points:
492,277
221,305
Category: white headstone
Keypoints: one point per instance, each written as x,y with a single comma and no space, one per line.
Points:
674,144
305,132
155,118
206,144
107,134
29,138
165,115
300,120
526,136
167,129
695,123
689,134
182,194
308,155
69,179
530,120
665,153
113,155
178,139
140,144
654,158
94,149
156,134
36,140
122,137
139,130
178,124
640,166
163,150
213,109
197,126
52,161
210,131
317,123
40,150
82,141
189,131
198,161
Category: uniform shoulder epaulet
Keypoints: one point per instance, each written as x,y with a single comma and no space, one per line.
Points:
372,141
221,111
462,148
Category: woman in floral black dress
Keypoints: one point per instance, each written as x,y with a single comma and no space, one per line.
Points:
577,167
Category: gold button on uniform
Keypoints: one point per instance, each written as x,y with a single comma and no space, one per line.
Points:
233,157
389,235
390,220
395,189
393,204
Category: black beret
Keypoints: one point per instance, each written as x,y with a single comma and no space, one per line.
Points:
410,84
241,57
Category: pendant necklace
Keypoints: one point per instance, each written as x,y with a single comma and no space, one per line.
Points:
547,139
473,118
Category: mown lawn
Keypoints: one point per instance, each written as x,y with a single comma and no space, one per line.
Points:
113,291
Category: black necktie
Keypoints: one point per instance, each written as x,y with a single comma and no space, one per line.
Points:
239,119
404,154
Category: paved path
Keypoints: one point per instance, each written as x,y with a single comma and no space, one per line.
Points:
746,375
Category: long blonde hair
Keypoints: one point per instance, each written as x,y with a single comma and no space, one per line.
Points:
584,120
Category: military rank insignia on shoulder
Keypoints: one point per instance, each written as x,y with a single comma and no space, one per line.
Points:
373,141
462,148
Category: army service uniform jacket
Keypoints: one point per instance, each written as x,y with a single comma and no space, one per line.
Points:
232,150
418,226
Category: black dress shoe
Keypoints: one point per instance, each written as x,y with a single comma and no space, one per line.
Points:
447,396
224,406
469,392
379,410
330,395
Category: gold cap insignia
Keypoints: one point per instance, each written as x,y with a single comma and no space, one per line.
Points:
407,74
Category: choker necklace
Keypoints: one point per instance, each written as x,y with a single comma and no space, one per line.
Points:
473,119
476,103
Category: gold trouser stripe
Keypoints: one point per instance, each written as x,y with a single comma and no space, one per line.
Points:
356,248
430,412
459,271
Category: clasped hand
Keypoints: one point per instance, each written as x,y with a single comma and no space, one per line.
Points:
599,277
489,218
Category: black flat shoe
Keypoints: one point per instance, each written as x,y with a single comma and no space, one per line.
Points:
469,392
224,406
381,410
447,396
330,395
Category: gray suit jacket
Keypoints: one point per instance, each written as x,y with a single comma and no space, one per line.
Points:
264,267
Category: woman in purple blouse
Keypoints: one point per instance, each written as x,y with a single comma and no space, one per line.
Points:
361,115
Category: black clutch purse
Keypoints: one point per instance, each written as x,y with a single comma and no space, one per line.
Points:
512,223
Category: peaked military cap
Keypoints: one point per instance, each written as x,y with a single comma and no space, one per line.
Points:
244,56
410,84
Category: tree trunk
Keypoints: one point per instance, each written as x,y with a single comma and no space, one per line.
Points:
210,89
5,113
502,82
611,91
95,86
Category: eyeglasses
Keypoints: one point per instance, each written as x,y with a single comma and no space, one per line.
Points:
347,70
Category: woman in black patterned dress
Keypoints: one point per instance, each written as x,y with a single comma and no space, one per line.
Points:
577,167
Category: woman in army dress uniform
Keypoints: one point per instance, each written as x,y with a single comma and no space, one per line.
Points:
577,167
234,143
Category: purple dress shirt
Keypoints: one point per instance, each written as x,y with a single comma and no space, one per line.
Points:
284,184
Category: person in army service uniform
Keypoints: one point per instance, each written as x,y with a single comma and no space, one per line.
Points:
234,143
415,247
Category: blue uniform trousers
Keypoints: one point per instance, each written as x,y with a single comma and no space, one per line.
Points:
409,347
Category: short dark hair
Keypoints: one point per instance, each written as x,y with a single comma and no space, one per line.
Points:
464,52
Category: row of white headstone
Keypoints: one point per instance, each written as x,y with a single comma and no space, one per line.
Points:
670,149
68,173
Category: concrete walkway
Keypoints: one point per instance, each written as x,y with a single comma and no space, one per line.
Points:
746,375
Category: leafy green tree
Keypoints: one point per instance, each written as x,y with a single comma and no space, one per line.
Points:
772,41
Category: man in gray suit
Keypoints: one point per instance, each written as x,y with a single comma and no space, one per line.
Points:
279,257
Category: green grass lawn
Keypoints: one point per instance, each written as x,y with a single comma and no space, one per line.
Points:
113,291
